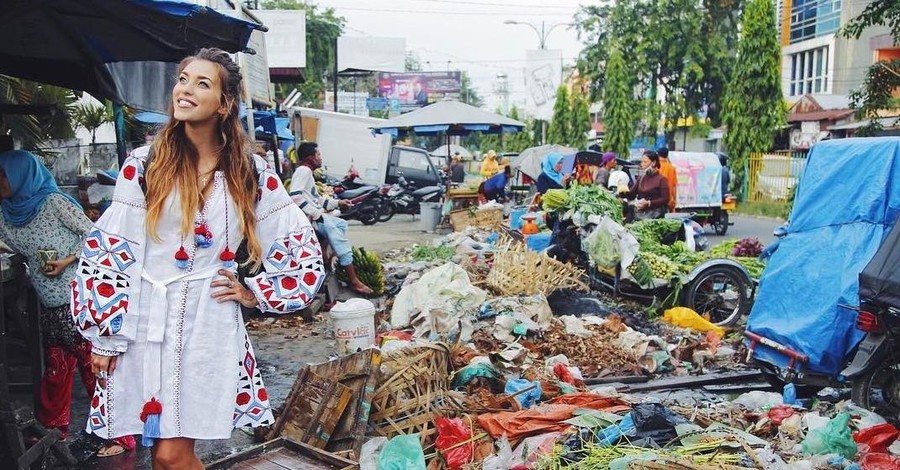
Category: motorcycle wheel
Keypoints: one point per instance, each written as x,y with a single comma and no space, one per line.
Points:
878,389
368,216
720,224
720,291
385,210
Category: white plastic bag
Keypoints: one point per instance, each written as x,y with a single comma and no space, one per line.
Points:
503,460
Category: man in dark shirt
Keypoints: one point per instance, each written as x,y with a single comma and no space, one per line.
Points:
457,170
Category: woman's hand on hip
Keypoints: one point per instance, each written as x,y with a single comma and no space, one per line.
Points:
233,290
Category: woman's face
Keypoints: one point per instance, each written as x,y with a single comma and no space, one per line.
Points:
5,190
558,166
646,162
197,95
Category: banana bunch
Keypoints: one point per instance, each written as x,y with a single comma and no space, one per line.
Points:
368,268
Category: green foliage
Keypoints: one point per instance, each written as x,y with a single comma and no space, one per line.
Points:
30,130
467,93
618,106
322,30
90,117
558,133
753,107
882,77
580,122
412,62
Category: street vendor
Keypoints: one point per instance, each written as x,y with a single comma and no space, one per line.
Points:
551,174
490,167
607,164
494,188
668,171
650,192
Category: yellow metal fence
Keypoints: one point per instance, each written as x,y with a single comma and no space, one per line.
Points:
773,176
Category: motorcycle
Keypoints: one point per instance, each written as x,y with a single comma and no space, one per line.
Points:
812,324
406,199
367,204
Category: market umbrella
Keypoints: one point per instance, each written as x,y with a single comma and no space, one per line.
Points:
529,161
443,150
97,45
450,117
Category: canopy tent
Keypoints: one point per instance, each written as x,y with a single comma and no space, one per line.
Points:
107,47
529,161
445,150
450,117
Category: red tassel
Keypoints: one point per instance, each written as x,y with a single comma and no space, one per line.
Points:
152,407
181,254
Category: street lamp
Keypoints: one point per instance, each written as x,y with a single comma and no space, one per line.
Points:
542,33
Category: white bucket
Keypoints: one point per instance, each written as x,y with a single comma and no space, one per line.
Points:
354,325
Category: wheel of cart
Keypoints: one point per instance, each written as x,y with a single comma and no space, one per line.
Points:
720,288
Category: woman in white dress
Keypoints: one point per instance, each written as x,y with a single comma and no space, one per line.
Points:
156,290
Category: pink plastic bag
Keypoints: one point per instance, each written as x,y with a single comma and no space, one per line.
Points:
452,431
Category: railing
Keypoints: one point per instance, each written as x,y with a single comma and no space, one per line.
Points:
773,176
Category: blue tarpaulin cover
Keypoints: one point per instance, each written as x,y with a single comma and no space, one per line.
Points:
847,200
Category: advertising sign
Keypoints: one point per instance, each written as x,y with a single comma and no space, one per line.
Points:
348,102
543,74
416,89
286,37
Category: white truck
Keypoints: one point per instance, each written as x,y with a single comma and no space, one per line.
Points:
346,140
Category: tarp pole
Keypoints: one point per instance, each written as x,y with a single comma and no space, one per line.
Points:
119,117
335,73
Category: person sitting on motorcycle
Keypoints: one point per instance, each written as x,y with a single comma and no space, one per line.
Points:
303,192
650,191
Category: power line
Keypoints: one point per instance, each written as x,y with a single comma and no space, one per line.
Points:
456,2
448,12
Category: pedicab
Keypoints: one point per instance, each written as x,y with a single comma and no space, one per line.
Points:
699,190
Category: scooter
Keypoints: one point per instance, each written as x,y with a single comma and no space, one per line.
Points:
406,199
366,202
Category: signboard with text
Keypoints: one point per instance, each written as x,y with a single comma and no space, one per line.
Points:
413,90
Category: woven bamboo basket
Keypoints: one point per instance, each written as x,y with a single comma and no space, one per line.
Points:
460,219
489,218
412,391
520,271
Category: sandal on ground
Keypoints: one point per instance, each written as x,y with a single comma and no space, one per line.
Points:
110,449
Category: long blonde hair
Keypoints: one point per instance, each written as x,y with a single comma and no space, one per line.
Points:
175,160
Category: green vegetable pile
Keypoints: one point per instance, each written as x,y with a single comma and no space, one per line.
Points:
585,199
432,253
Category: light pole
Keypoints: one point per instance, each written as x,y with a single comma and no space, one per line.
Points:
542,33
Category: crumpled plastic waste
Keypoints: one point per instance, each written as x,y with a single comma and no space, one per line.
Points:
834,438
527,398
687,318
443,300
451,433
368,454
402,452
877,438
475,369
655,422
503,459
535,447
758,399
515,316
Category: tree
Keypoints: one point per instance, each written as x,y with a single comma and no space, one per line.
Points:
618,106
90,117
467,93
580,120
412,62
883,77
32,130
521,140
323,27
753,107
558,133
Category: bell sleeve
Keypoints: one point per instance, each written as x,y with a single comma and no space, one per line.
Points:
109,266
292,264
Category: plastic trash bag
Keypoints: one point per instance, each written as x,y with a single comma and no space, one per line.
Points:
610,435
503,460
878,438
834,438
451,432
526,399
687,318
368,455
403,452
655,422
475,369
758,399
609,243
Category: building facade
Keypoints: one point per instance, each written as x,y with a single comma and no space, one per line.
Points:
814,59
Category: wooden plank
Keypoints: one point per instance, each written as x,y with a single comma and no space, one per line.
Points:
280,454
359,372
313,409
695,381
319,454
292,460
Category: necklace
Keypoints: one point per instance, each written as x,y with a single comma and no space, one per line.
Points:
204,178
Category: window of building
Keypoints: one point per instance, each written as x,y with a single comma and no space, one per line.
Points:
809,72
814,18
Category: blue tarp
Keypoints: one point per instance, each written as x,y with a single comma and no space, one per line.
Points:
847,201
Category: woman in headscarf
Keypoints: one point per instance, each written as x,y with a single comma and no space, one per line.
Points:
490,167
650,191
607,164
37,216
551,173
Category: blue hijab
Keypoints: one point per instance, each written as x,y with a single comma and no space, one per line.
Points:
30,182
548,166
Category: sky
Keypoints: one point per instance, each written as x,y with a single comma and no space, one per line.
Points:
471,34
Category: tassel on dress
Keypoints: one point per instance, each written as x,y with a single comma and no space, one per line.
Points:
150,417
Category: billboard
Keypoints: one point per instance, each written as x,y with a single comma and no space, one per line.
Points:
368,53
286,37
412,90
543,75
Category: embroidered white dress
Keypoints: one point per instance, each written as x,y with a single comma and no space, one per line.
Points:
176,343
